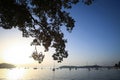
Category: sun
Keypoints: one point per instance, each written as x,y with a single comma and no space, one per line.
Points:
17,54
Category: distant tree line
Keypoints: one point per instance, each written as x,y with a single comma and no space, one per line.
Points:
6,65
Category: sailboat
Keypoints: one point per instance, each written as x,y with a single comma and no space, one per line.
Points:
53,67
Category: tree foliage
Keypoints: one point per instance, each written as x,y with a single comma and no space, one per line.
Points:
41,19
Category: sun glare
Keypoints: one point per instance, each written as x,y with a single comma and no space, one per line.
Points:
17,55
13,76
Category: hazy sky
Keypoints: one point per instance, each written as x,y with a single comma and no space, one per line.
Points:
95,38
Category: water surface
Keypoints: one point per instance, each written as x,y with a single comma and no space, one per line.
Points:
59,74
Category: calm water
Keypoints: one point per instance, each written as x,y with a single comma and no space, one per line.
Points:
59,74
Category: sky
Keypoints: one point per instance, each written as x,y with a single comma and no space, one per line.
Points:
95,39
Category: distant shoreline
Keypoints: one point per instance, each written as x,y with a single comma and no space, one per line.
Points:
6,66
89,66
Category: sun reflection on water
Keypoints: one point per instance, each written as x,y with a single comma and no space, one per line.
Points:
16,74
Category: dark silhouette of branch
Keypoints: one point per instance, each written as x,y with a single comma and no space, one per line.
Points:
41,19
